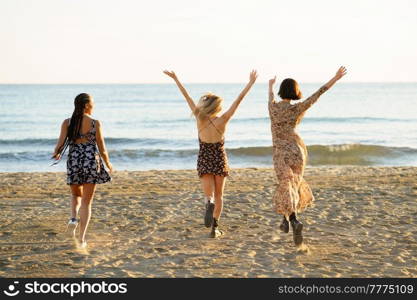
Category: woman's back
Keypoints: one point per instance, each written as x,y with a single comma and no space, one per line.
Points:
211,130
87,130
284,117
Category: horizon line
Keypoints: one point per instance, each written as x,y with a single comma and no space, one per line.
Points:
143,83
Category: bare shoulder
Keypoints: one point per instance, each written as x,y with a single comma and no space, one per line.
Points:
98,123
278,103
224,118
201,123
66,122
284,106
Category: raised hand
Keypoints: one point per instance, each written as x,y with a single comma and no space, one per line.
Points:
182,89
272,81
230,112
253,75
303,106
341,72
171,74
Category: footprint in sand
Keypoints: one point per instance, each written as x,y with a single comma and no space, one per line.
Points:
52,233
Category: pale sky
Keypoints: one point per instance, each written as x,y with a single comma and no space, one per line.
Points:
132,41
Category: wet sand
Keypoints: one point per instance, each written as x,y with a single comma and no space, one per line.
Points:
150,224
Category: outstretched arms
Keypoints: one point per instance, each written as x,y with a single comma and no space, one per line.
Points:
303,106
230,112
187,97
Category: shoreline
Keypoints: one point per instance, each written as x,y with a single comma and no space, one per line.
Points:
233,169
150,224
128,156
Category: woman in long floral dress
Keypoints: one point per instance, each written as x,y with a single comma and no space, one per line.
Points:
292,194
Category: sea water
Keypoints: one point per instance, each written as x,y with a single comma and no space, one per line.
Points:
149,126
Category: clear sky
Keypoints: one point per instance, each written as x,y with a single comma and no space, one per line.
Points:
132,41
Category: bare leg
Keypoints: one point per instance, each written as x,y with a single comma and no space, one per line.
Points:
85,210
219,181
76,194
218,206
207,183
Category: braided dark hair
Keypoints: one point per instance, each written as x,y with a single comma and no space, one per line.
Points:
74,127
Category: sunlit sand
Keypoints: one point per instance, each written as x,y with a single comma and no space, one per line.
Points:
150,224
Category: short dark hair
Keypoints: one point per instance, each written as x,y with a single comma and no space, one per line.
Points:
289,89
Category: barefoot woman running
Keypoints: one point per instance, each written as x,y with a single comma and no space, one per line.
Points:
290,153
212,164
82,134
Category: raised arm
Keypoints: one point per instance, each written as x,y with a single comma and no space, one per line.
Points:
230,112
187,97
303,106
271,96
61,140
102,147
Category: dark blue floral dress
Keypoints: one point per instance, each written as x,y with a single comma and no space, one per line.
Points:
84,164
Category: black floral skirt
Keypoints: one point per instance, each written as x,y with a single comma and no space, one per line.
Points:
212,159
84,165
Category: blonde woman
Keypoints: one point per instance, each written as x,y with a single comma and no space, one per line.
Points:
212,163
293,194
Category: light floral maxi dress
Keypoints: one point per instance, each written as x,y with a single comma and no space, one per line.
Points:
290,154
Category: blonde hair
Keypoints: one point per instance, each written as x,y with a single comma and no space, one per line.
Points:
209,105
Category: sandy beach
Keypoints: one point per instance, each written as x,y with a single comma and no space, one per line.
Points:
150,224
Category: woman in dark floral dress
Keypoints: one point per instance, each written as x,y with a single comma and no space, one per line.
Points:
292,194
84,138
212,163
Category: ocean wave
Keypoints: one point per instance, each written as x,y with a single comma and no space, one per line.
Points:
52,142
25,156
335,119
307,119
357,119
185,121
342,154
360,154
